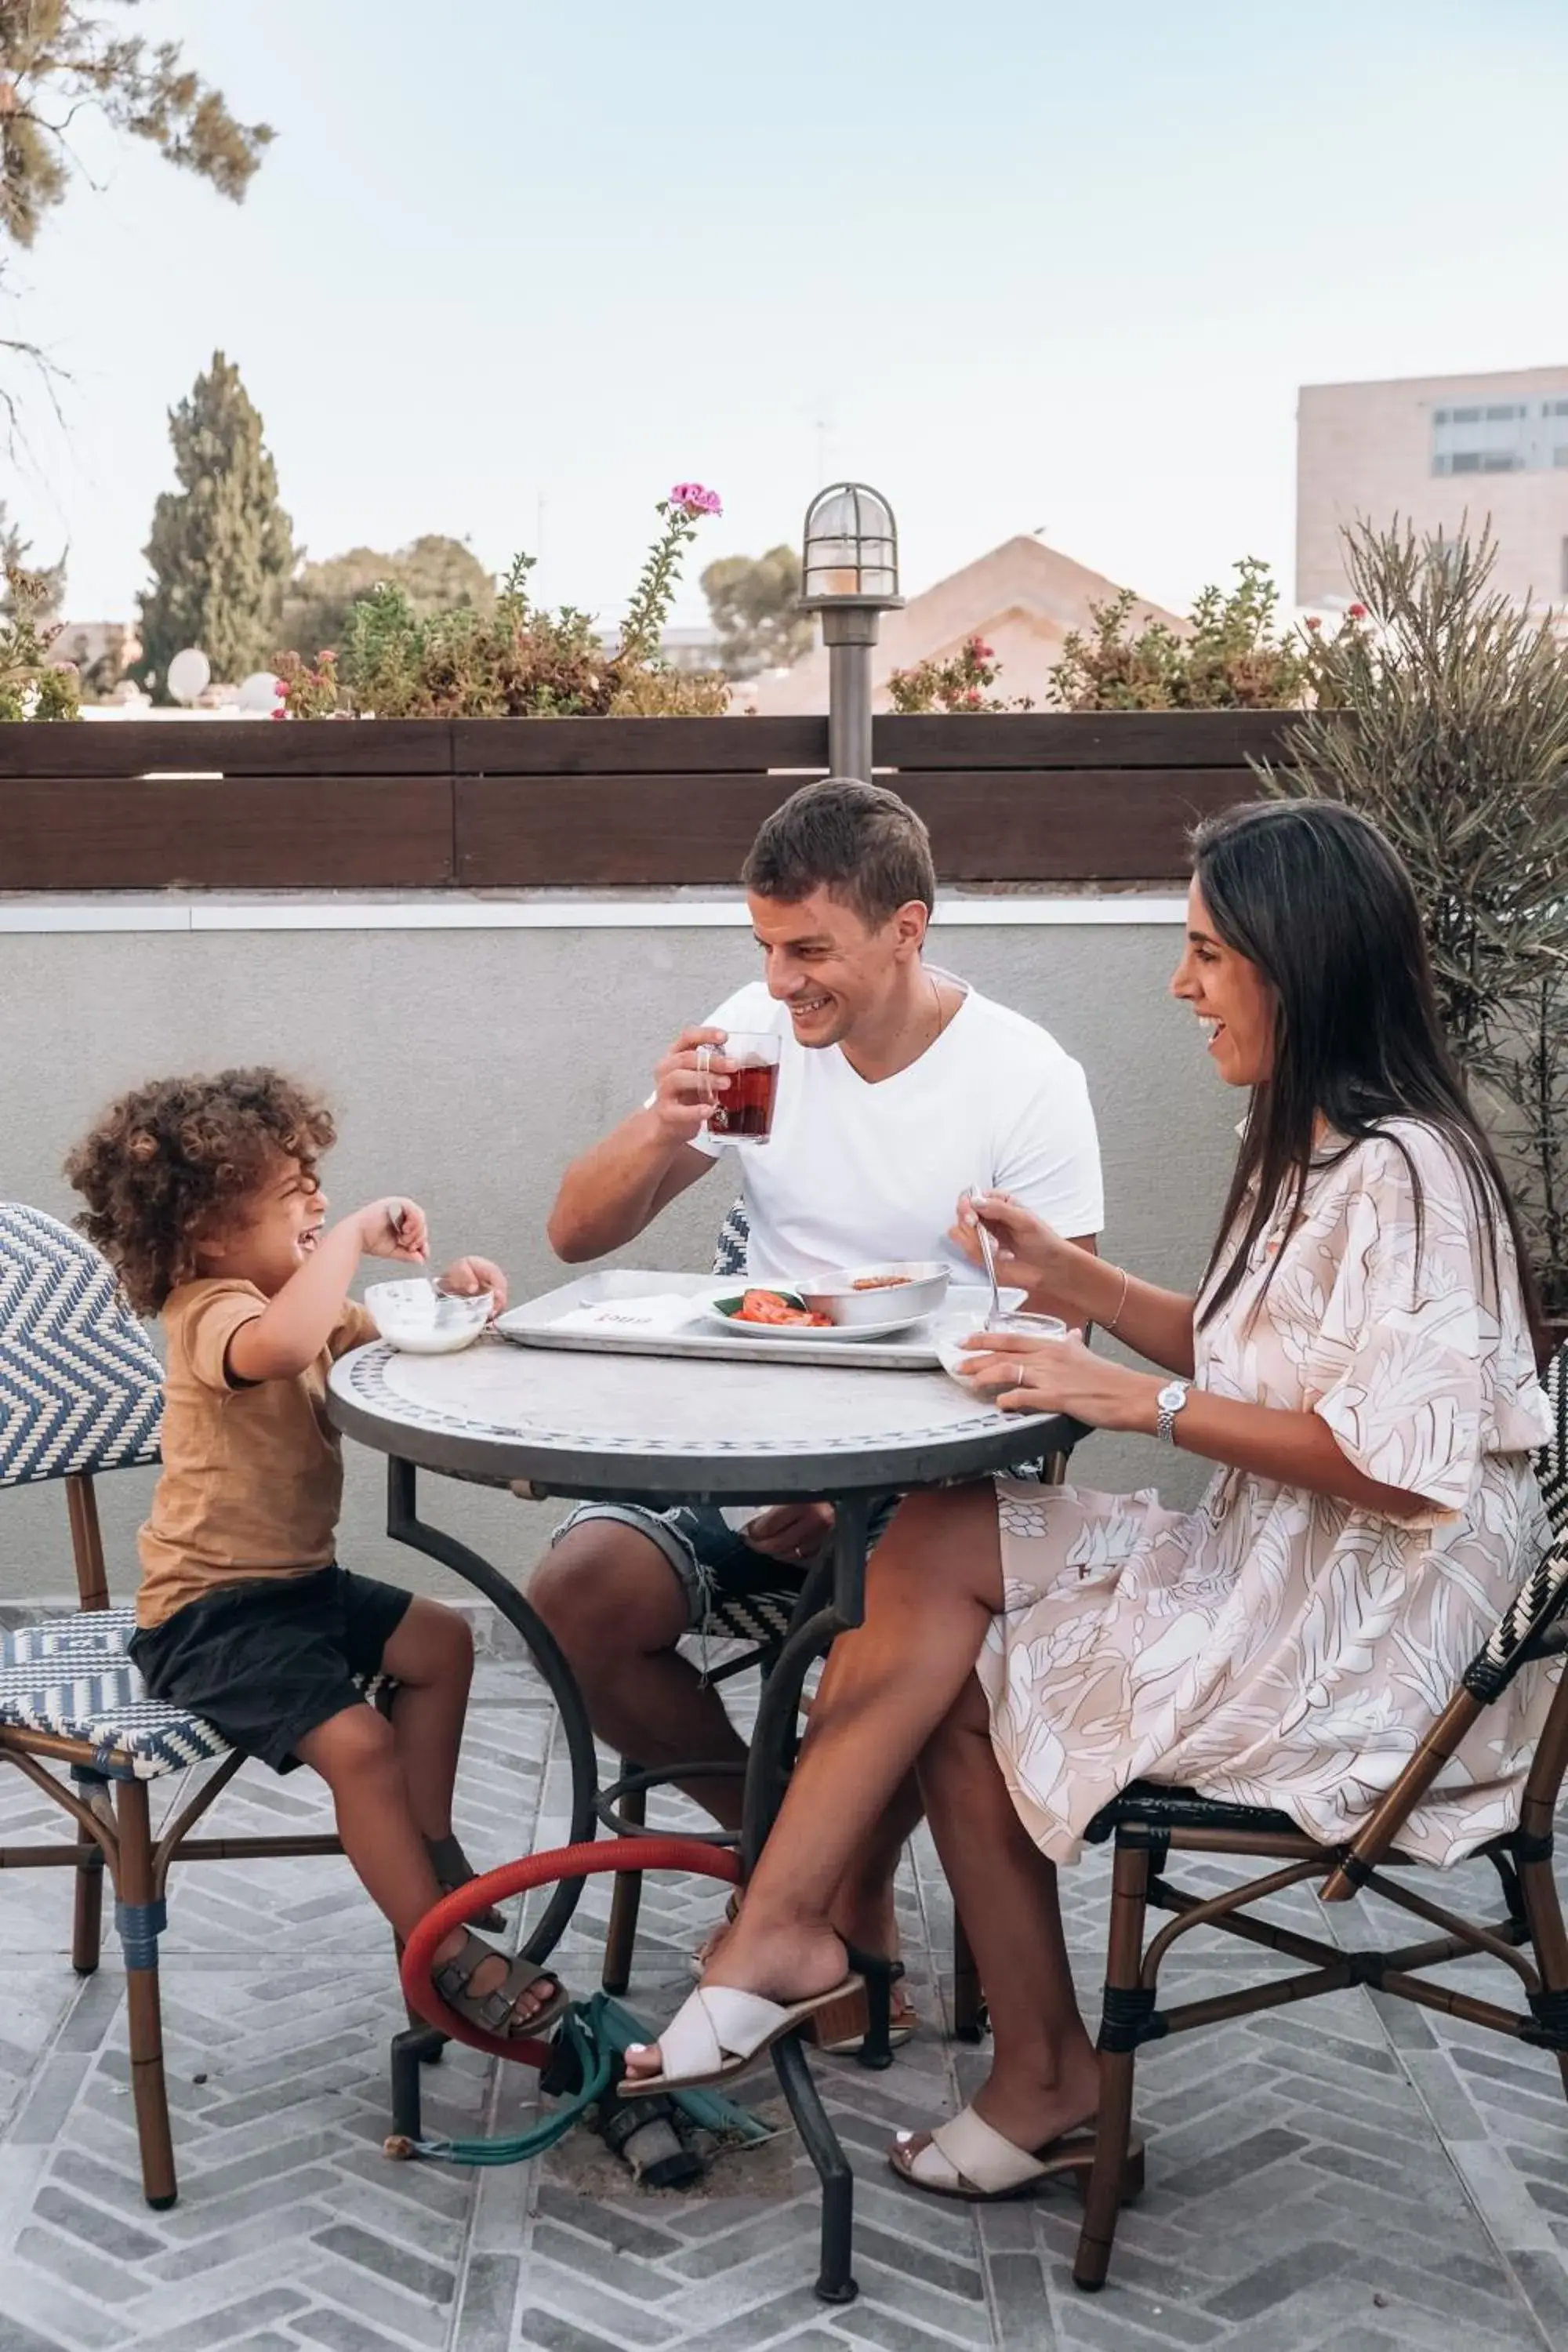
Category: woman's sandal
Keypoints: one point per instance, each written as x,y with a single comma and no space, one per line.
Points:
836,2036
718,2033
495,2011
968,2159
453,1869
839,2034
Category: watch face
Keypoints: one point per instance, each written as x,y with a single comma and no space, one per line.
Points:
1173,1396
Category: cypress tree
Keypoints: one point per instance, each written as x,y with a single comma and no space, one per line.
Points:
221,549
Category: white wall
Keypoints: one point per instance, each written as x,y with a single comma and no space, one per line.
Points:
467,1064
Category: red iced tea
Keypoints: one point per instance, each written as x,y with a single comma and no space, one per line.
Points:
745,1112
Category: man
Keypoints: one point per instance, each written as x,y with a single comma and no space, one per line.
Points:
900,1088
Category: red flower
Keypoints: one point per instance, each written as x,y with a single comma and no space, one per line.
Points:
1356,612
983,652
972,697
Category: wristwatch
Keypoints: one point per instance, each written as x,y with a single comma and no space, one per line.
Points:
1171,1400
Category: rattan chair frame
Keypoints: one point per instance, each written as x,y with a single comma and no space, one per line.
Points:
1148,1823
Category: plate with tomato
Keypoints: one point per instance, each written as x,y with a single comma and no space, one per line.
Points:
774,1311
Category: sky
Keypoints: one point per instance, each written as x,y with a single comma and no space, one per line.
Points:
510,270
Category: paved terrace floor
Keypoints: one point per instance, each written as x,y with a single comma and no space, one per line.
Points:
1353,2175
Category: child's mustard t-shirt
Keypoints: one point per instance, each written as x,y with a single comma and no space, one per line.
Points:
253,1476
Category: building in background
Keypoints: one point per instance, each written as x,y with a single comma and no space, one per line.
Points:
1023,599
1437,450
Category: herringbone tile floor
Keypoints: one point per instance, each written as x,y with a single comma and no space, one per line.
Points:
1354,2176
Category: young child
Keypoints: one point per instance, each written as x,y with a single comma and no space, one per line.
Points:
202,1193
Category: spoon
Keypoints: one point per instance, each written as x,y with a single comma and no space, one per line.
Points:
396,1217
988,1252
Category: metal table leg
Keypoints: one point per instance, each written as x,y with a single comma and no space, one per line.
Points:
822,1614
404,1525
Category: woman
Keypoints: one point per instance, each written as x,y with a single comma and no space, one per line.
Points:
1357,1361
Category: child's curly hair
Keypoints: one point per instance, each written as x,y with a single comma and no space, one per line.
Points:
167,1160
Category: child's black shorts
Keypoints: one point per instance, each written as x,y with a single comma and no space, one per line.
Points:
268,1659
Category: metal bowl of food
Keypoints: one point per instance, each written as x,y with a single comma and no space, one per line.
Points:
856,1295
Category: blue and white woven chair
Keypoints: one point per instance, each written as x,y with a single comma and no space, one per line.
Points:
81,1393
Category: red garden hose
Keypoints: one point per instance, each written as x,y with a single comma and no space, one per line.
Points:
460,1907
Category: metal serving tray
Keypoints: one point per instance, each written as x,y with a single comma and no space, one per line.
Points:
532,1325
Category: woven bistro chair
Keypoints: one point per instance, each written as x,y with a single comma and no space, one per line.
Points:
1147,1823
81,1393
762,1620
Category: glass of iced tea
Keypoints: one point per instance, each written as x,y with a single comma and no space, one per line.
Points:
743,1113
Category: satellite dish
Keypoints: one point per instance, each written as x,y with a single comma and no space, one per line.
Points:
190,675
259,691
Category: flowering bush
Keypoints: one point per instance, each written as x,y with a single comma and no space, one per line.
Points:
32,685
1231,657
962,682
307,690
517,661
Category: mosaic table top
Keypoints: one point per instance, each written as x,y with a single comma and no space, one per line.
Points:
680,1428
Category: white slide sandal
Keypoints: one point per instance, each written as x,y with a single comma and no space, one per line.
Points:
720,2033
968,2159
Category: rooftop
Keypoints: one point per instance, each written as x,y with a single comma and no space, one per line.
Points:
1354,2177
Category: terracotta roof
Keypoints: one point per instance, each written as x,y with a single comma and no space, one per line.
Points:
1022,599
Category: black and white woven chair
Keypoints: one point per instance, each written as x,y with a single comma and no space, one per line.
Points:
1148,1823
81,1394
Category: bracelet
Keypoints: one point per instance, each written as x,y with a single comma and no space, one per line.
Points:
1115,1319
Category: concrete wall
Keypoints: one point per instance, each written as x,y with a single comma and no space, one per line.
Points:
467,1064
1365,450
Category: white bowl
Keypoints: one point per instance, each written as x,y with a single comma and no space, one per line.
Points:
910,1288
416,1318
953,1329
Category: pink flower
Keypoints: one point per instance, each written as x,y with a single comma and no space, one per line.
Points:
694,500
972,697
281,712
1313,622
1355,611
983,652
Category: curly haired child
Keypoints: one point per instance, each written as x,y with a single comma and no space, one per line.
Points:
204,1195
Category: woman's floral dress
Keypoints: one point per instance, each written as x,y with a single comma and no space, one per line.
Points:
1275,1648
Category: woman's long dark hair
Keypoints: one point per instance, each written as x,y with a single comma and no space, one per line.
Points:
1314,896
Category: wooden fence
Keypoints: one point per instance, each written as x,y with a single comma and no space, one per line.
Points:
608,803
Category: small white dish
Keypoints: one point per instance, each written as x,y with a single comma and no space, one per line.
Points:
952,1330
417,1319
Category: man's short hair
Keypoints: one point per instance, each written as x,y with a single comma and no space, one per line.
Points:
859,842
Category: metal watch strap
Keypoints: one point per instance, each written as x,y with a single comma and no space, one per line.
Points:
1173,1397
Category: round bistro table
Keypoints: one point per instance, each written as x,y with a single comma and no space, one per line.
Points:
662,1431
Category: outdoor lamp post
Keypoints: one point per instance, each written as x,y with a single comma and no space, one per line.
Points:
849,574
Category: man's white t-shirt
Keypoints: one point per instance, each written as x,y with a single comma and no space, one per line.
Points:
856,1173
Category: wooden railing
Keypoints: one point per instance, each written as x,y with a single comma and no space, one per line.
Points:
608,803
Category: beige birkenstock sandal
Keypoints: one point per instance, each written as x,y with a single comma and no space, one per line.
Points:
967,2158
720,2033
